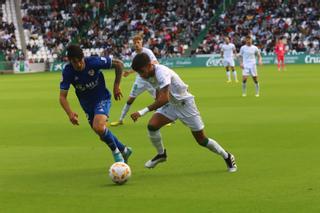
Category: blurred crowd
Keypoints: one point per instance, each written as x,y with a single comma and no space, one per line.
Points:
297,23
8,47
50,25
168,27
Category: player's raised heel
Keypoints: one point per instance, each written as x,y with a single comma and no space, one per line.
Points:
117,156
231,163
116,123
126,154
157,159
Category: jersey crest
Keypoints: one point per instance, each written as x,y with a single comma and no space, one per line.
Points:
91,72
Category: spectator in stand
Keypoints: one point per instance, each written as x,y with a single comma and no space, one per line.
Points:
296,21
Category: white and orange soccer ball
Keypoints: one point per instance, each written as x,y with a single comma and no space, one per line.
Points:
119,172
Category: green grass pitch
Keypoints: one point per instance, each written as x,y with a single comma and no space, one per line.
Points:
48,165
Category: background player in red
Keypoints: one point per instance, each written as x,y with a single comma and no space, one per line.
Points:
280,51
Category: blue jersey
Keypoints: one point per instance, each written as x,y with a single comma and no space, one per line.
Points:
89,83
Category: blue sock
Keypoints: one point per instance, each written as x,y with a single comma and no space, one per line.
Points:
112,141
120,146
107,137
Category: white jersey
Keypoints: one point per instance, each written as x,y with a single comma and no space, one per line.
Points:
152,57
146,51
165,76
248,54
228,50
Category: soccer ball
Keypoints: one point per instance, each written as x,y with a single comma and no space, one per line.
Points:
119,172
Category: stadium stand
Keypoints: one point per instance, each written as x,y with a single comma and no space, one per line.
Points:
50,26
170,27
8,40
296,21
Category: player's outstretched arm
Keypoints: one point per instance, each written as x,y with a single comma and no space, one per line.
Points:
240,60
118,67
127,73
73,117
162,99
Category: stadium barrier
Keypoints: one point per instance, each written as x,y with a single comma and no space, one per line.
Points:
6,67
26,67
216,60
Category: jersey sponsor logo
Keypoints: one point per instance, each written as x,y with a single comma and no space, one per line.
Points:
90,85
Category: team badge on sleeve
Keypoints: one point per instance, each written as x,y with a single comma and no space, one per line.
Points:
91,72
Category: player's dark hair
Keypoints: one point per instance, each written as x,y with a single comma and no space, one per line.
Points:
139,61
74,51
248,37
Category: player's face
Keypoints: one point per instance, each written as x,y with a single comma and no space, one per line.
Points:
78,64
137,44
146,72
248,41
227,40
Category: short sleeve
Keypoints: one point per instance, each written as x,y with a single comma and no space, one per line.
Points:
164,78
151,55
241,51
65,81
257,50
103,62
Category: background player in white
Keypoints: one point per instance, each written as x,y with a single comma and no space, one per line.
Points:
248,53
173,102
228,51
139,85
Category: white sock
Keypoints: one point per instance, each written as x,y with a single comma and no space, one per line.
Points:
156,140
257,88
228,76
216,148
244,88
124,111
116,150
235,75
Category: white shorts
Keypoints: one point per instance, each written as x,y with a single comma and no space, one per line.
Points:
186,111
139,86
250,69
228,62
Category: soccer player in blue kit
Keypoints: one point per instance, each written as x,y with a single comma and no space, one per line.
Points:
95,99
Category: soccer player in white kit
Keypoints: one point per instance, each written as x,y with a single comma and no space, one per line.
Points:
228,50
139,85
248,53
173,102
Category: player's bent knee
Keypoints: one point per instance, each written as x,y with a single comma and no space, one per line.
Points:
99,129
202,141
200,137
152,128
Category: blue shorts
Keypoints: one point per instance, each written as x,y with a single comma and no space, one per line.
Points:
100,108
